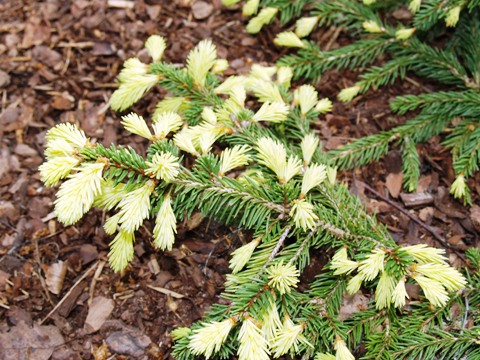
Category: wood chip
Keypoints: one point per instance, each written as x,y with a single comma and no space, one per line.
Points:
70,301
416,199
475,216
153,266
98,313
394,184
201,10
426,214
194,221
4,79
132,344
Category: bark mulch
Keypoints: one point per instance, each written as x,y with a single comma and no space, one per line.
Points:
58,62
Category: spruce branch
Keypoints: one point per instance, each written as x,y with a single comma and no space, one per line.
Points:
387,74
441,344
409,49
311,62
265,181
343,12
454,103
410,165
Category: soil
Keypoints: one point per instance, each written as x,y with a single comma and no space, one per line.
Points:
58,62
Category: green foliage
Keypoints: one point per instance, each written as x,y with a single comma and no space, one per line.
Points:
288,9
258,166
415,46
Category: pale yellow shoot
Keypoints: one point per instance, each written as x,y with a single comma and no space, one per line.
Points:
372,27
313,176
164,165
267,91
324,106
283,277
57,168
453,16
342,264
304,26
76,195
165,226
308,145
272,112
347,95
220,66
384,291
136,125
208,339
342,352
289,39
200,60
284,76
253,344
165,123
372,265
288,338
156,46
232,158
264,17
250,8
307,97
135,206
121,250
242,255
303,214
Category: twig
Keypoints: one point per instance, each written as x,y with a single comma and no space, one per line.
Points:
95,278
334,38
437,236
85,274
25,293
278,246
122,4
5,306
166,292
78,45
465,318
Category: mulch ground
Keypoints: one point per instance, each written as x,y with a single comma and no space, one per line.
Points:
58,62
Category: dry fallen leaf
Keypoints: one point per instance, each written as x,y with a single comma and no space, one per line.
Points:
55,276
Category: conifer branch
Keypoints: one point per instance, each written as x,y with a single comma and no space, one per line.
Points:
264,181
455,64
